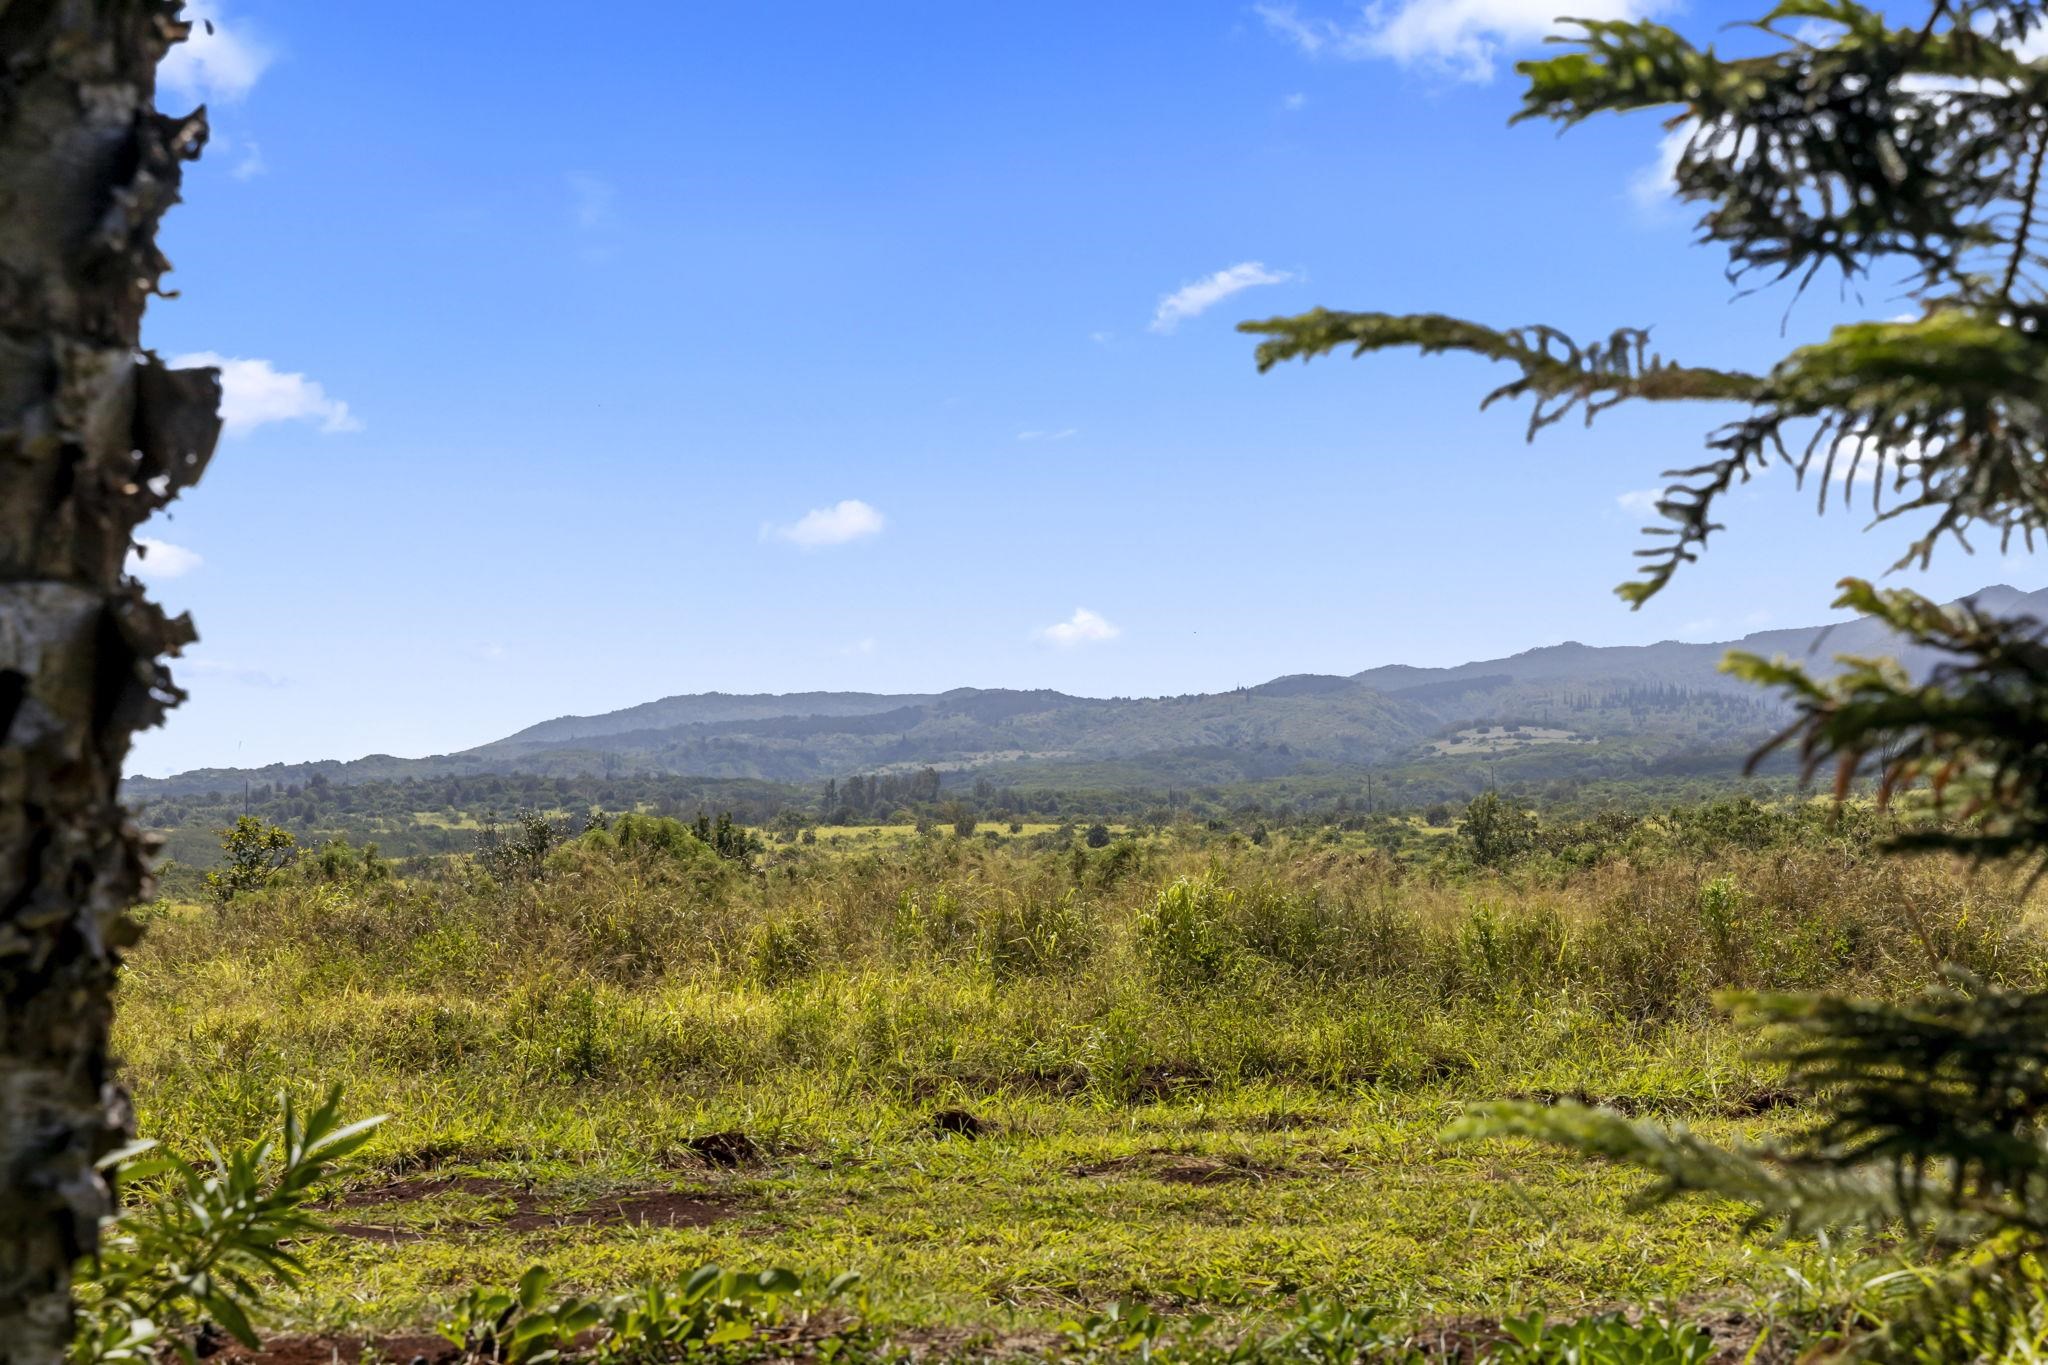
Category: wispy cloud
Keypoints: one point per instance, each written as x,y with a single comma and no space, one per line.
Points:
1063,434
219,64
251,163
861,648
1462,38
255,393
593,200
1082,628
1192,300
1640,499
844,521
159,559
239,673
1653,186
1294,102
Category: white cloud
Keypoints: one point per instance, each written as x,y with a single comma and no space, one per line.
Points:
1861,462
1192,300
159,559
255,393
1652,187
219,63
1640,499
1102,338
1083,627
1063,434
1461,37
1295,101
851,519
861,648
251,165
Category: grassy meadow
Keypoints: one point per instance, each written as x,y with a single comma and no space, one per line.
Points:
1197,1071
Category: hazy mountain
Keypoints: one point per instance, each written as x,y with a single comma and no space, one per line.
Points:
704,708
1692,665
1573,708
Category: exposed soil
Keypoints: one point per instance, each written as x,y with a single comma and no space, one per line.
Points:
958,1123
1178,1168
790,1341
412,1191
529,1212
348,1350
1741,1105
725,1149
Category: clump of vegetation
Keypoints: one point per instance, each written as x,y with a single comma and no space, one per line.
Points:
200,1240
253,853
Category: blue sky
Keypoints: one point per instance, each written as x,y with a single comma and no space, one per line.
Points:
577,361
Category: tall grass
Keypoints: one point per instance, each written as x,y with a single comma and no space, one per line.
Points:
667,979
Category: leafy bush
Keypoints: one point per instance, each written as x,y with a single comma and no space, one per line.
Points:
520,855
256,851
709,1310
1606,1339
1188,934
204,1238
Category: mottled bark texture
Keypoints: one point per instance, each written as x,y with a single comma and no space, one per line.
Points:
94,436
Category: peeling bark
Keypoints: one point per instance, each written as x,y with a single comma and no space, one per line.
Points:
94,436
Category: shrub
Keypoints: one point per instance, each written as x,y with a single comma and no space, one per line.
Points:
1187,932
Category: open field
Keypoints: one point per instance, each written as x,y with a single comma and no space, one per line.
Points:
1206,1073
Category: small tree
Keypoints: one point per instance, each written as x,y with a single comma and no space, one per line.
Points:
255,851
1495,831
1849,143
520,855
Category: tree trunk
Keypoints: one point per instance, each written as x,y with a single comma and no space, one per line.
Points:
94,436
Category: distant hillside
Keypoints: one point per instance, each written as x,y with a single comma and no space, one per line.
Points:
1571,711
701,709
1689,665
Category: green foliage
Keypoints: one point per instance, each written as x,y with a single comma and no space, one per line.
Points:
726,838
338,861
256,851
711,1310
205,1237
1604,1339
520,855
1848,144
519,1326
1327,1332
1187,932
1976,731
1495,832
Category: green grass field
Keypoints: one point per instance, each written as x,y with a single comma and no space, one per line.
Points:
1209,1075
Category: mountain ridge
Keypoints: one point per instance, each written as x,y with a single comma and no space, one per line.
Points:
1582,705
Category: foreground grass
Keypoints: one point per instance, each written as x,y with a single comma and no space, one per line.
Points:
1209,1075
1233,1205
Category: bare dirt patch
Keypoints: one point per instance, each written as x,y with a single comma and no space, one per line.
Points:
1740,1104
725,1149
1179,1168
523,1209
347,1350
